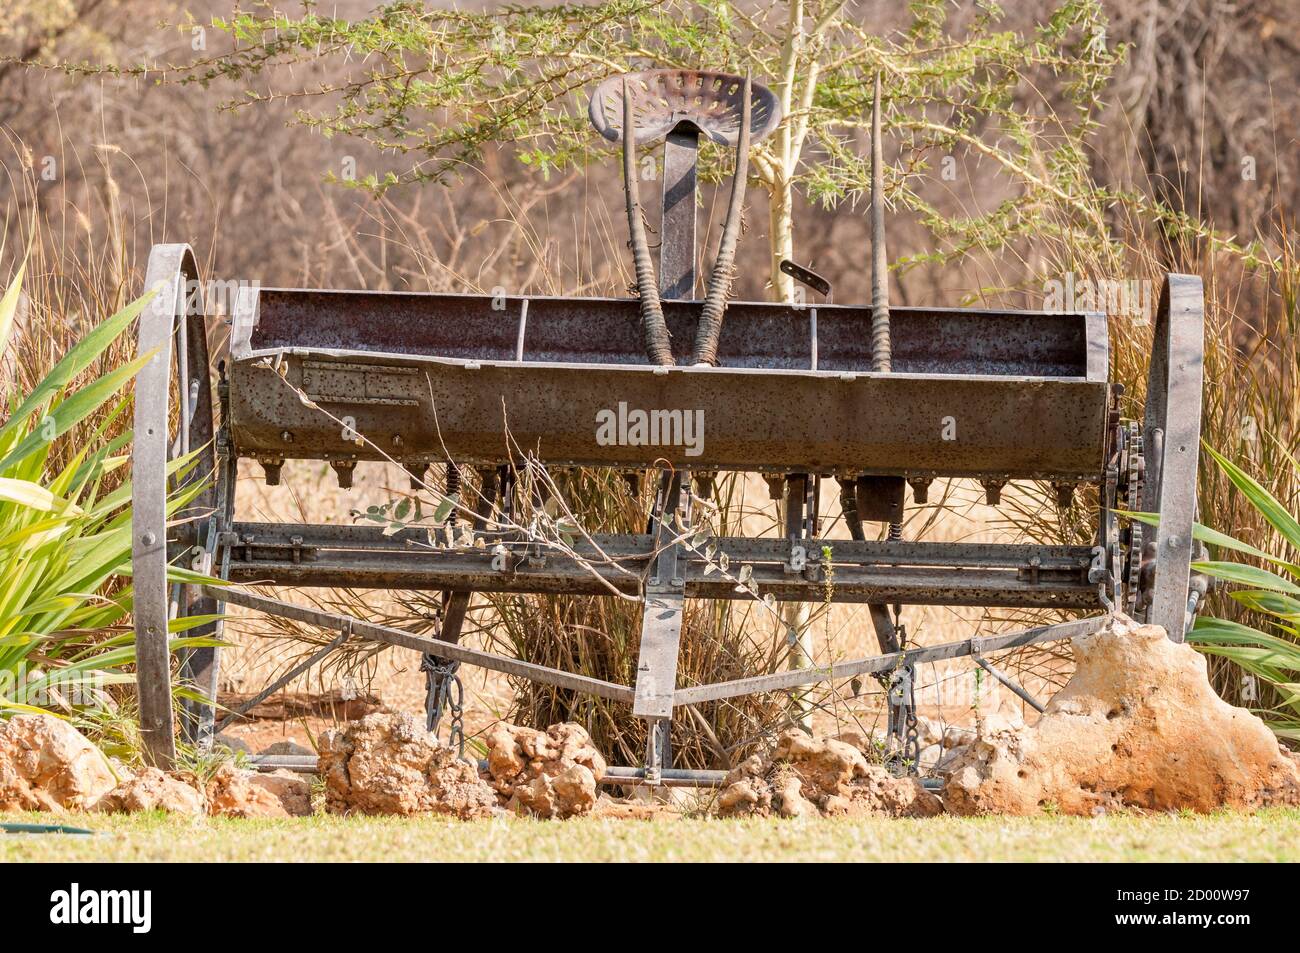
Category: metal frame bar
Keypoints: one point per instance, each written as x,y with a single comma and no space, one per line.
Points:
851,583
1010,683
779,681
317,656
370,537
614,774
408,640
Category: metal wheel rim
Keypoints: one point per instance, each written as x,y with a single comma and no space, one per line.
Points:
1171,443
172,325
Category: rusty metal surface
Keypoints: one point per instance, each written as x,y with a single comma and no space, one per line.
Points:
1008,395
677,248
986,574
663,98
314,538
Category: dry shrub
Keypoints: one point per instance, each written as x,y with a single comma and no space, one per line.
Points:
600,637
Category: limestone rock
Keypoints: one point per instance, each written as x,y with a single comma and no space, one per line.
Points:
292,790
386,763
552,773
1137,726
806,776
152,790
47,765
236,793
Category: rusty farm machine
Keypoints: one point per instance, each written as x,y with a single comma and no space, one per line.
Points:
797,393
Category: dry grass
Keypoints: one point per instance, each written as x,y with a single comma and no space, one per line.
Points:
601,637
1268,836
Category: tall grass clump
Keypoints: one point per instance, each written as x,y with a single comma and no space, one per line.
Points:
600,637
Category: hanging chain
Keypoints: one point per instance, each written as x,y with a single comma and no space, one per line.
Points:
443,693
903,734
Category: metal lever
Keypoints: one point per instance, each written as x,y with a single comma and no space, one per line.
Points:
806,276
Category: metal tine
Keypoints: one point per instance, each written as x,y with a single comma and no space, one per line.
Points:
724,273
654,328
881,346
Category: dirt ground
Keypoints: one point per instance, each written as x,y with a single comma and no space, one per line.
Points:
948,693
1267,836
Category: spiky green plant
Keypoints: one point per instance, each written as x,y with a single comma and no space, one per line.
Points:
65,528
1268,588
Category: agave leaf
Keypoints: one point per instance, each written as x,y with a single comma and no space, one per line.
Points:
1272,603
74,362
1260,498
1246,576
28,494
1268,661
185,623
29,709
1212,537
9,305
1208,630
76,408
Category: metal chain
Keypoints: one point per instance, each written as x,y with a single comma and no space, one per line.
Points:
902,729
903,724
444,692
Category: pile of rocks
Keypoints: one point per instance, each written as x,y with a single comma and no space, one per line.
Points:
1137,726
386,763
805,776
47,765
551,773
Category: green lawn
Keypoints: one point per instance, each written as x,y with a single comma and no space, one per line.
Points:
1268,836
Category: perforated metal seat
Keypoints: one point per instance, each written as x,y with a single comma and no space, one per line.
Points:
662,98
